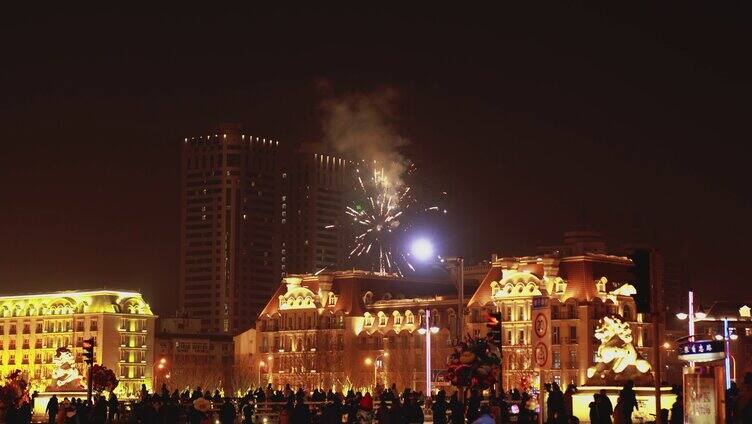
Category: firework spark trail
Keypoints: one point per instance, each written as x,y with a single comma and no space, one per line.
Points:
383,210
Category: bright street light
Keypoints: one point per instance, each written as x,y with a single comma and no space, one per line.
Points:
368,361
422,249
682,315
666,345
700,315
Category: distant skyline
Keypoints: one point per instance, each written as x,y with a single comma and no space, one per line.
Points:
526,117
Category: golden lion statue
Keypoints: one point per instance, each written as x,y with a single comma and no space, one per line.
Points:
616,358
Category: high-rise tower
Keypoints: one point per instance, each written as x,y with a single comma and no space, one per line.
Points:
314,223
229,227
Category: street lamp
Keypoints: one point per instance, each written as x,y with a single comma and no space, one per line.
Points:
691,315
270,370
160,365
377,363
427,331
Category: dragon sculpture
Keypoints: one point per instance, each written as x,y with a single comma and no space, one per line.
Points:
617,359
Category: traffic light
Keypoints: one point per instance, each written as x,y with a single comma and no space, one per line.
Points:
640,276
494,328
88,346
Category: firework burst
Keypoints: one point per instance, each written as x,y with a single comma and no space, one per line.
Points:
380,216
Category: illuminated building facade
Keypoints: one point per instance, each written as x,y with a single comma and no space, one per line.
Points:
192,357
313,218
34,326
318,330
551,305
230,216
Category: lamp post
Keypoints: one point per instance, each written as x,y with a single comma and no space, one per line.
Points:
377,363
162,364
427,330
691,316
727,348
270,369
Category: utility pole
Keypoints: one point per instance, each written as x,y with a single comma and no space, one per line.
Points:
657,314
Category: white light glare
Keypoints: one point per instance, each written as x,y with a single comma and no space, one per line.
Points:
422,249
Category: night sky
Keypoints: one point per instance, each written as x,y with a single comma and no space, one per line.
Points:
527,117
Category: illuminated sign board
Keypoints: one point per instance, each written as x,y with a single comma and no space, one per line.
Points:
702,351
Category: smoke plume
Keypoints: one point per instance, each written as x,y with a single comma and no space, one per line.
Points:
361,126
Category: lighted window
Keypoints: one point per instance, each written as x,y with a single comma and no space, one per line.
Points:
572,359
382,319
409,318
556,358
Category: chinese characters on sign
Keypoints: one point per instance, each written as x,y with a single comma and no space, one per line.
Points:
702,351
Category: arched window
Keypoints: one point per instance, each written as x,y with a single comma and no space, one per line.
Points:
571,308
409,318
368,319
382,319
627,313
452,320
397,318
435,318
